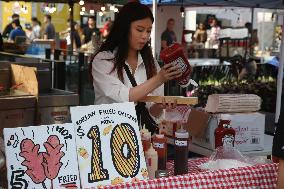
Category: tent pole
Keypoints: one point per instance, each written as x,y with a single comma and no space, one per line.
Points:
280,78
154,29
72,29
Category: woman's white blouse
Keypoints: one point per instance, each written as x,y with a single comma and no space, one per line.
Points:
108,88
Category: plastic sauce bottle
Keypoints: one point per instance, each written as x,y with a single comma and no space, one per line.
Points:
160,145
224,134
181,152
146,138
152,161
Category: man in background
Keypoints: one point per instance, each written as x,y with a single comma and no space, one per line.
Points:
90,30
168,37
9,27
49,30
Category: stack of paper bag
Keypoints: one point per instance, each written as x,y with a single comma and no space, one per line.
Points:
233,103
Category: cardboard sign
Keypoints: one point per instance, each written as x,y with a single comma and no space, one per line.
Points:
42,157
108,144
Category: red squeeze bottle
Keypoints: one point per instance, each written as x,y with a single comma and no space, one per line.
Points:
160,145
174,54
181,152
224,134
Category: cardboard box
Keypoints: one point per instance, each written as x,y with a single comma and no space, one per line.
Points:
249,129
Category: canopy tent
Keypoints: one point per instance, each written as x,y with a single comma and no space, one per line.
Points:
270,4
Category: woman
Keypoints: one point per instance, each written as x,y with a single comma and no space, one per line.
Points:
200,35
127,50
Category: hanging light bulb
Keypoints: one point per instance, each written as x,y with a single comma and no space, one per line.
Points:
115,10
16,4
112,7
81,2
69,9
83,9
46,8
92,12
103,9
101,13
82,12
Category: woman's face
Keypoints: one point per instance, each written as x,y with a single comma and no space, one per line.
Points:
140,31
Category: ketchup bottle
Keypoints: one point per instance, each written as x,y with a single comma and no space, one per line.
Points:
174,54
146,138
181,152
224,134
160,145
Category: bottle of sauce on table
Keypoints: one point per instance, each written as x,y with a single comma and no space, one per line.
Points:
151,157
224,134
146,138
160,145
181,152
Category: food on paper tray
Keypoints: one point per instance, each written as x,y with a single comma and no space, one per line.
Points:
223,164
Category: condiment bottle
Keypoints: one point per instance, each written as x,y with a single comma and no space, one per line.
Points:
160,145
174,54
146,138
181,152
151,157
224,134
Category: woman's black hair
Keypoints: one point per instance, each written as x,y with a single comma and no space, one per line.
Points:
119,34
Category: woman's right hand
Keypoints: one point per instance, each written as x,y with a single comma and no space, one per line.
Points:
169,72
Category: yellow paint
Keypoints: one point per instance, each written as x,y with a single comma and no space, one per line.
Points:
10,8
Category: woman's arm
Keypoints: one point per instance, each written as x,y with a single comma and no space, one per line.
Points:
168,72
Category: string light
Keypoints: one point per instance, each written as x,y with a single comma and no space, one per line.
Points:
101,13
115,10
103,9
83,9
81,2
112,8
92,12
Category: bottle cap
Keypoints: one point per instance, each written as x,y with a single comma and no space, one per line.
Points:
145,132
151,150
181,133
160,135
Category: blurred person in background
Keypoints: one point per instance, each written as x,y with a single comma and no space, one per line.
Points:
49,30
9,27
17,31
35,28
200,36
90,30
66,34
214,34
168,37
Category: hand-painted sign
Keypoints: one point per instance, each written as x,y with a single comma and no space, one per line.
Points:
42,157
109,144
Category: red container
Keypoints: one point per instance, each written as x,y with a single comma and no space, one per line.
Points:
174,54
224,134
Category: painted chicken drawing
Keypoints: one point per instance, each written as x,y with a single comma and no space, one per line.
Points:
52,157
33,161
42,165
